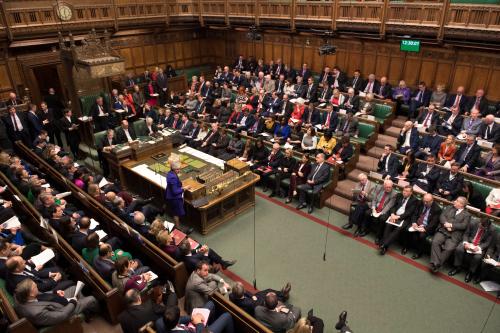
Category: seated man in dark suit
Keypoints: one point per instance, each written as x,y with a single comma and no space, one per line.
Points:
429,118
476,239
343,150
388,163
490,269
421,97
100,114
467,156
408,138
46,279
125,133
489,129
151,128
106,144
458,100
311,116
384,90
424,222
478,102
186,125
248,302
319,175
429,145
278,317
452,123
191,257
283,171
103,263
139,313
449,183
348,125
425,175
49,309
401,213
452,224
357,82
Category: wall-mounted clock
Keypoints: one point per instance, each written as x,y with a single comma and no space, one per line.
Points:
64,12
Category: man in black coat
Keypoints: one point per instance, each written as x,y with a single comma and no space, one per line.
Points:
319,175
489,129
70,129
125,133
100,114
426,175
424,222
449,183
401,213
357,82
17,126
452,123
50,123
420,97
467,156
388,163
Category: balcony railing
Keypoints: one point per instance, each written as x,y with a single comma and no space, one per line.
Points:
435,18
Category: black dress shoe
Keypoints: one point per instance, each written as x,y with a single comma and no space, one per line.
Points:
310,209
404,251
377,241
342,320
383,250
347,226
454,271
228,263
468,277
356,232
416,256
288,200
300,206
434,269
264,189
363,233
272,194
476,280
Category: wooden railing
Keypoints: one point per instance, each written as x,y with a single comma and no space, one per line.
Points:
438,18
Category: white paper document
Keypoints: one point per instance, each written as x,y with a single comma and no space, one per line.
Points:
103,182
490,286
13,222
101,234
63,195
93,224
169,226
43,257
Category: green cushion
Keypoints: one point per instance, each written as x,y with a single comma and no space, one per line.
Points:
140,127
382,112
365,130
87,101
98,137
189,72
6,293
482,188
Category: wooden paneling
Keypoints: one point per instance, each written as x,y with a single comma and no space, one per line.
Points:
382,65
494,94
443,73
411,72
4,78
428,72
478,78
149,55
461,76
138,56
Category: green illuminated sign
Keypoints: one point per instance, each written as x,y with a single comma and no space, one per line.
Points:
410,45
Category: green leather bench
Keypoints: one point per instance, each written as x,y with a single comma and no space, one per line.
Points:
365,134
139,127
481,187
383,114
87,101
189,72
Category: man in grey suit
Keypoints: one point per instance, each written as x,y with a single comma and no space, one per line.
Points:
452,224
318,176
50,309
201,284
360,203
381,199
276,316
472,124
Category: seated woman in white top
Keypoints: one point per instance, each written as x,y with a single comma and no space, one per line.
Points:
309,140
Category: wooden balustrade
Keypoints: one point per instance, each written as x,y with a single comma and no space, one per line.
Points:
473,16
434,18
421,13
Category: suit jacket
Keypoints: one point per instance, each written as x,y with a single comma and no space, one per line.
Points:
483,105
494,248
426,98
198,290
375,197
392,166
352,127
94,110
410,207
375,86
122,138
161,81
104,267
384,90
471,159
329,79
423,179
432,219
346,153
325,94
356,198
358,84
166,121
471,126
222,141
278,322
42,280
34,125
136,316
453,186
414,138
494,135
432,142
351,103
105,143
274,105
432,121
79,240
304,74
486,237
462,105
459,223
321,176
315,116
312,92
456,125
45,313
174,186
185,128
334,120
10,125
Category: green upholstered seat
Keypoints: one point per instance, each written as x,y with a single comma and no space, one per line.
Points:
140,127
482,188
98,137
366,130
87,101
6,293
189,72
381,112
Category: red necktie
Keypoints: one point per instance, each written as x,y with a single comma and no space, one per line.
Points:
478,236
327,122
421,218
175,124
426,121
476,105
380,206
457,101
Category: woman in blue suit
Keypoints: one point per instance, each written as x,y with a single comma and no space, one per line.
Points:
174,193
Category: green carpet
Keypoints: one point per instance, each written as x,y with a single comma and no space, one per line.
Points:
381,294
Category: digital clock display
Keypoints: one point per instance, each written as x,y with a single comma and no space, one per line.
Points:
410,45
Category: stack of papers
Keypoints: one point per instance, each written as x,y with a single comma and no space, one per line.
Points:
43,257
101,233
13,222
